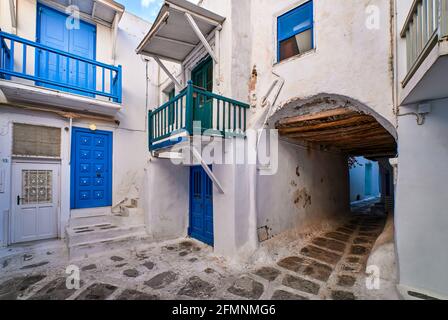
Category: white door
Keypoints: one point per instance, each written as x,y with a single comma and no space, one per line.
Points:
35,197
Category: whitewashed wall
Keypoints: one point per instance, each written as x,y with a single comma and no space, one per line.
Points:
349,60
420,212
421,217
310,189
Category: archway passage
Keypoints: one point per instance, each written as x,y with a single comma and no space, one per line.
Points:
310,194
350,131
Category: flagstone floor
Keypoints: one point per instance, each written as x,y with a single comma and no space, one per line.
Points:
330,265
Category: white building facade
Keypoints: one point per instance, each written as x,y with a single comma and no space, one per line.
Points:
422,30
115,150
284,86
67,161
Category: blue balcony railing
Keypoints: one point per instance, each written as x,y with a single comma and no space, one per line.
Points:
5,58
56,69
196,110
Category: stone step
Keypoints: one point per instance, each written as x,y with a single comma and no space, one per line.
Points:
107,245
85,213
133,219
128,211
97,233
90,220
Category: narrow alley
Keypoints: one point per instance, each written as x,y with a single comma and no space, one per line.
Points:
331,265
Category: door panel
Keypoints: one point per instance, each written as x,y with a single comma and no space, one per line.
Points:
35,202
91,168
201,206
202,77
52,32
82,43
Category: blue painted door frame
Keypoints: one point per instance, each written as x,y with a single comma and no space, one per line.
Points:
52,32
91,169
201,206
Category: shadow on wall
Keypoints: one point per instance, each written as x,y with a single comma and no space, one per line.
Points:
309,190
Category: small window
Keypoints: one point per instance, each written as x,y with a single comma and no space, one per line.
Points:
37,141
295,31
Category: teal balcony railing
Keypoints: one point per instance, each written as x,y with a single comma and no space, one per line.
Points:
48,67
196,110
426,24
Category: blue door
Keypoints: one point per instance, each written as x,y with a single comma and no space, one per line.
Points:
91,169
52,32
201,206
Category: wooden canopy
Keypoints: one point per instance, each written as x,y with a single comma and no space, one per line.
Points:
351,132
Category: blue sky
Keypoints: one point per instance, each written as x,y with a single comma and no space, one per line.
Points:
146,9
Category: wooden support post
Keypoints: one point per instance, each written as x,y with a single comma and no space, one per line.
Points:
168,73
200,36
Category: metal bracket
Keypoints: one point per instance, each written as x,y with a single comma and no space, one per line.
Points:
200,36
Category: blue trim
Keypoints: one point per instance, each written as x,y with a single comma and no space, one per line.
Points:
94,67
286,29
90,70
5,58
201,236
167,143
73,162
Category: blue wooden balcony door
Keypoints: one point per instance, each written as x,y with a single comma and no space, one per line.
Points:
52,31
201,206
91,169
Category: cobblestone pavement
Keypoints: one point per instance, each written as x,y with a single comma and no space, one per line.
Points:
329,266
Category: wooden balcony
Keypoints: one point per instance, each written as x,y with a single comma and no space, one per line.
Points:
425,26
59,70
192,111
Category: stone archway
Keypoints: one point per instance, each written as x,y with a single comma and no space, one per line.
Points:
336,122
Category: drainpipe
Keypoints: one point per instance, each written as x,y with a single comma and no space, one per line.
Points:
70,127
395,52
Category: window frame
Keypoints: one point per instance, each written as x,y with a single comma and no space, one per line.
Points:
35,124
284,11
167,91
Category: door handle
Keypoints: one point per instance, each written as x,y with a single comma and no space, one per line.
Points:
18,200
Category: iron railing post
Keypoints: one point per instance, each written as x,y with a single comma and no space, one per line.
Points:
120,84
149,130
189,108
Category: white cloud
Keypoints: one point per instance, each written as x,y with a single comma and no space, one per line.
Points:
147,3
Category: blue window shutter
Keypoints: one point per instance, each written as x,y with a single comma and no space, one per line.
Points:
295,21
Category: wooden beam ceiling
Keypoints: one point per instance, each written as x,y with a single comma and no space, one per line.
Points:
349,131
